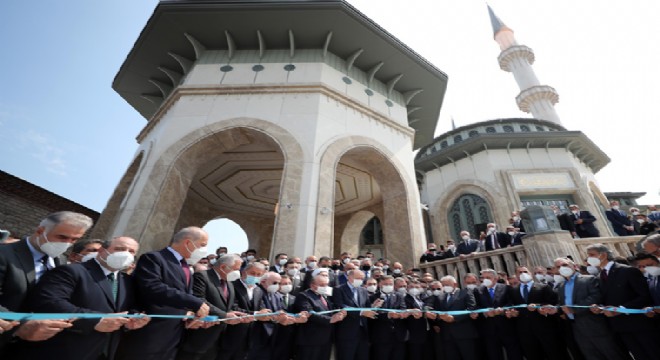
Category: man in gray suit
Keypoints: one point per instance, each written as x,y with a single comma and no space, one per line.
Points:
24,262
591,331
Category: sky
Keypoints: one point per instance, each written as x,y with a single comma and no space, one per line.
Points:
63,127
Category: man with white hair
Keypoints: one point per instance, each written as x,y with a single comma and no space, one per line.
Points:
652,245
24,262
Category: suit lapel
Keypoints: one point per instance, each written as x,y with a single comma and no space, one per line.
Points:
215,281
168,256
101,280
25,257
349,294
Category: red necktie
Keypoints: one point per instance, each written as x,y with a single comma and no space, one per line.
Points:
223,285
325,303
186,270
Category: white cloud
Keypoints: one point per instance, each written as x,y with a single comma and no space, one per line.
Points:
43,148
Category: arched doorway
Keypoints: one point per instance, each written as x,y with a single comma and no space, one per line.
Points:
227,233
469,212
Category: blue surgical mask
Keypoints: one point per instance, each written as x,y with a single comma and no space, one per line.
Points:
252,280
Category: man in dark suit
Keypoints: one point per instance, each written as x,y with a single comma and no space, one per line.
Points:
565,223
591,331
95,286
538,333
164,286
583,222
619,220
624,286
315,337
284,344
459,334
280,261
516,221
650,266
467,245
515,235
292,271
419,342
352,334
496,330
387,332
215,286
495,239
23,263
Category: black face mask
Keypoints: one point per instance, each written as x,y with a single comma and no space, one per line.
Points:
366,267
334,267
501,281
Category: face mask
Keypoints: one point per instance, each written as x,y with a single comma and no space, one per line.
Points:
635,213
451,247
250,257
285,289
471,286
539,277
593,261
372,288
197,254
525,277
432,250
558,278
213,261
387,289
437,292
272,288
252,280
357,283
615,207
516,218
491,230
397,271
53,249
448,289
283,262
89,256
233,275
592,270
549,278
347,260
487,283
385,267
652,270
566,272
221,254
311,264
292,272
414,291
465,237
324,290
574,212
366,267
402,290
641,221
334,267
429,292
120,260
511,233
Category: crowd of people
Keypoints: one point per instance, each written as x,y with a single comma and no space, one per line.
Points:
182,302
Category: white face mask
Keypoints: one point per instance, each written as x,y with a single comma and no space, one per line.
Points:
372,288
487,283
53,249
272,288
250,257
615,207
635,213
448,289
491,230
414,291
233,275
120,260
347,260
558,278
465,237
429,292
397,271
516,218
511,233
89,256
451,247
324,290
566,272
311,264
283,262
652,270
285,289
593,270
437,292
471,286
292,272
357,283
593,261
387,289
574,212
641,221
213,261
197,254
549,278
402,290
539,277
525,277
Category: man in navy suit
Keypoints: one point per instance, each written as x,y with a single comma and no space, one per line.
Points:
24,262
314,338
352,334
496,329
283,349
625,286
494,239
619,220
96,286
388,332
164,286
583,222
467,245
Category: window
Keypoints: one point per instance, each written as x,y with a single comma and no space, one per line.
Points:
524,128
491,130
443,144
469,212
540,128
457,139
507,128
473,133
372,233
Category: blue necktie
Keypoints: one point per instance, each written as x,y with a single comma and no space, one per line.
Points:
526,292
491,291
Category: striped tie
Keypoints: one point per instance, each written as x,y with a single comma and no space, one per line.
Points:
115,286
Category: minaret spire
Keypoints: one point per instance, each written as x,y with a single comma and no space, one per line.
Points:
518,59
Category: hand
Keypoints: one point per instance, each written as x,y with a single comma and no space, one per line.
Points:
194,324
491,313
578,221
547,310
39,330
264,318
378,303
611,313
511,313
416,313
232,315
404,315
531,307
436,329
447,318
302,317
136,323
431,316
369,314
7,325
567,310
203,311
474,316
337,317
595,309
393,315
110,324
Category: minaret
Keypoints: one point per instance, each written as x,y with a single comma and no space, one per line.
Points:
518,59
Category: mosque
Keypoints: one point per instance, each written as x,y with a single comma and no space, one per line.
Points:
311,127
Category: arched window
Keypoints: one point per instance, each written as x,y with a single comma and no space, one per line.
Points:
457,139
507,128
443,144
491,130
372,233
540,128
524,128
473,133
467,213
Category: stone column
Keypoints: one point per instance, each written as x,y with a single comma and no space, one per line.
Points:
543,248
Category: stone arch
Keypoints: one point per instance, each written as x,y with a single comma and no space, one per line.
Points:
112,209
352,231
443,205
401,218
160,202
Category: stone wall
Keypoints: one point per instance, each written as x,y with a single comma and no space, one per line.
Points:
23,205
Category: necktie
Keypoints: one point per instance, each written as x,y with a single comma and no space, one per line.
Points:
448,299
44,262
526,292
603,275
496,245
115,286
491,291
223,287
186,270
355,296
274,302
325,303
286,301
